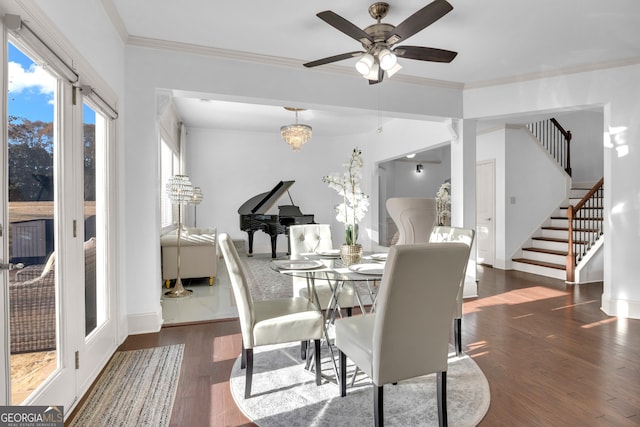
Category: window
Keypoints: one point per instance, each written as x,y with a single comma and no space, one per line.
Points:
169,166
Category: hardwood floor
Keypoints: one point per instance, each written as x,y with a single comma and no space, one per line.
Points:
551,356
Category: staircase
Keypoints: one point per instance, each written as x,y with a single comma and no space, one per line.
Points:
547,252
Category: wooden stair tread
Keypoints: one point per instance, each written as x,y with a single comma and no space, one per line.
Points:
584,207
545,251
540,263
564,217
588,230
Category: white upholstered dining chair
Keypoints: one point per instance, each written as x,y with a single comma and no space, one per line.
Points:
415,217
312,239
441,234
384,344
272,321
316,238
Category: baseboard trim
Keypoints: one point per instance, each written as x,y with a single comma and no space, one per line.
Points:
470,288
620,307
144,323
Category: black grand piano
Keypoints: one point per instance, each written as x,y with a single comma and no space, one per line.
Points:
253,215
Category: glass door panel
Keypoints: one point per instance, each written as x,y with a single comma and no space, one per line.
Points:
32,228
94,136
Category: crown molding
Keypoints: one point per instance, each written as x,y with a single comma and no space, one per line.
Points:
116,19
553,73
152,43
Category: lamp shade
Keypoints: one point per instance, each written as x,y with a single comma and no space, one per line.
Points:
197,196
365,63
394,69
179,189
387,59
373,74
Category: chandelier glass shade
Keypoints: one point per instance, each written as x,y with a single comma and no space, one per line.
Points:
296,135
179,190
196,199
197,196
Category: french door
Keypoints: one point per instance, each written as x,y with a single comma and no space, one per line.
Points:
59,307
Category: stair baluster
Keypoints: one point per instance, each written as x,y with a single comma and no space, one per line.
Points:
584,219
555,139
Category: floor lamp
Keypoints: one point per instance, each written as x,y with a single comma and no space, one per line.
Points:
180,192
195,201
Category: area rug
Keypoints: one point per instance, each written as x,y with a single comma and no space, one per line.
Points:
284,393
264,282
137,388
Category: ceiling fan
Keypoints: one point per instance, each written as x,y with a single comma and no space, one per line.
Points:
378,40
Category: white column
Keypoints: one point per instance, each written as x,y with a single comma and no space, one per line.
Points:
463,188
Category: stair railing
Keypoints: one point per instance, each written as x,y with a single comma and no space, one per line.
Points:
585,225
555,139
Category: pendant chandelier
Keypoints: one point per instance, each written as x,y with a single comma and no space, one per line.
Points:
295,135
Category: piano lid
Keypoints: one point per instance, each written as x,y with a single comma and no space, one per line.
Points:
261,203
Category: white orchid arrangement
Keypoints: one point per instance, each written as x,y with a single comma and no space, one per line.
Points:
443,203
355,204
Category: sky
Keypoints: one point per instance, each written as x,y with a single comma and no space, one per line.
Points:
32,88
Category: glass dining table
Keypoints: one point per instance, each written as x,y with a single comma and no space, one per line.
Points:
327,267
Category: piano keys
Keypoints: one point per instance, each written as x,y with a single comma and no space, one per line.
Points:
253,216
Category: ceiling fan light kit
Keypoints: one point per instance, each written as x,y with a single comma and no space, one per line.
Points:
387,59
378,40
365,64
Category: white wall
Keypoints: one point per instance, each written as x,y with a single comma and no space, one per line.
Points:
407,183
587,151
609,89
231,167
535,186
89,28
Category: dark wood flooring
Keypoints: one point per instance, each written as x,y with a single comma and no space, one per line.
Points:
551,356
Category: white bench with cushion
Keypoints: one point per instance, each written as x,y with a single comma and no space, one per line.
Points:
198,254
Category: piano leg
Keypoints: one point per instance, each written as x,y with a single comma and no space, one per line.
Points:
274,240
250,233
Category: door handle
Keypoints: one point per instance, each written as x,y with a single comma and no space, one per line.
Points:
11,266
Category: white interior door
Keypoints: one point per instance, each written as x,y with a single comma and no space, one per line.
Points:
485,211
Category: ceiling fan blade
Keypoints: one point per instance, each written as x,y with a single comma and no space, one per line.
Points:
425,53
334,58
345,26
420,20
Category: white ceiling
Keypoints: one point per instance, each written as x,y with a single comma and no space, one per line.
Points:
496,40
